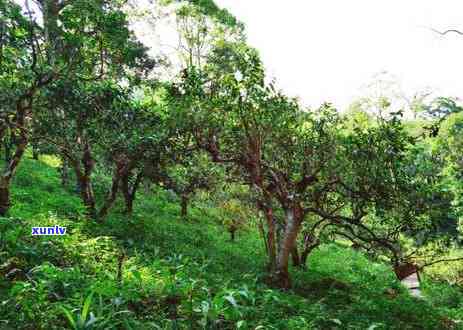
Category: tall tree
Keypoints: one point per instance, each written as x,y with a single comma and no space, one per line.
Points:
24,71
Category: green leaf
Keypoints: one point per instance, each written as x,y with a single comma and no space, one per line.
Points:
69,317
240,324
337,321
86,307
231,300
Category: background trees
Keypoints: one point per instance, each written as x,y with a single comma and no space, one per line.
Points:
82,41
23,73
301,163
79,88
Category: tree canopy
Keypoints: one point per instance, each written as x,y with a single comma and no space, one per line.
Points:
77,86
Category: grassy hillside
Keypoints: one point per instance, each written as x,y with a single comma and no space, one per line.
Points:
158,271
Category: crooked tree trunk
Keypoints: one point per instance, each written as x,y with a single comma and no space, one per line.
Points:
112,195
130,192
5,179
292,228
83,170
20,142
305,254
310,244
4,193
87,195
12,165
121,176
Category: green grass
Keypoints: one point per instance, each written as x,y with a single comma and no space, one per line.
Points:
179,274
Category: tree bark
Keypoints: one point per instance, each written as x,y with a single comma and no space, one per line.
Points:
310,243
295,256
305,254
24,107
184,206
64,172
86,193
404,270
112,195
5,179
292,228
7,144
130,192
3,129
12,165
271,238
129,206
51,10
127,195
4,198
83,170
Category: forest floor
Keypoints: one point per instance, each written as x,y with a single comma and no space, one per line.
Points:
155,270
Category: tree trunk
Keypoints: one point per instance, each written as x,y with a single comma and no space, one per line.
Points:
51,9
292,228
184,206
112,195
4,198
295,256
83,170
130,192
270,239
404,270
86,193
147,187
5,179
8,149
129,206
126,192
3,129
232,234
64,171
310,243
12,165
23,110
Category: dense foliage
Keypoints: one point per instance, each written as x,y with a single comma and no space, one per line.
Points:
210,199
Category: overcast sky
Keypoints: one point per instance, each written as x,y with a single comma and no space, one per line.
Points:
326,50
329,50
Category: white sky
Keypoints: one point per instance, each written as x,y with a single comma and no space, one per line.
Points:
329,50
326,50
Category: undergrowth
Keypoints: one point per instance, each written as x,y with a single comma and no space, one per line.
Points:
155,270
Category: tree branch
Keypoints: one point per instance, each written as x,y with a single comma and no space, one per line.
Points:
443,33
442,260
